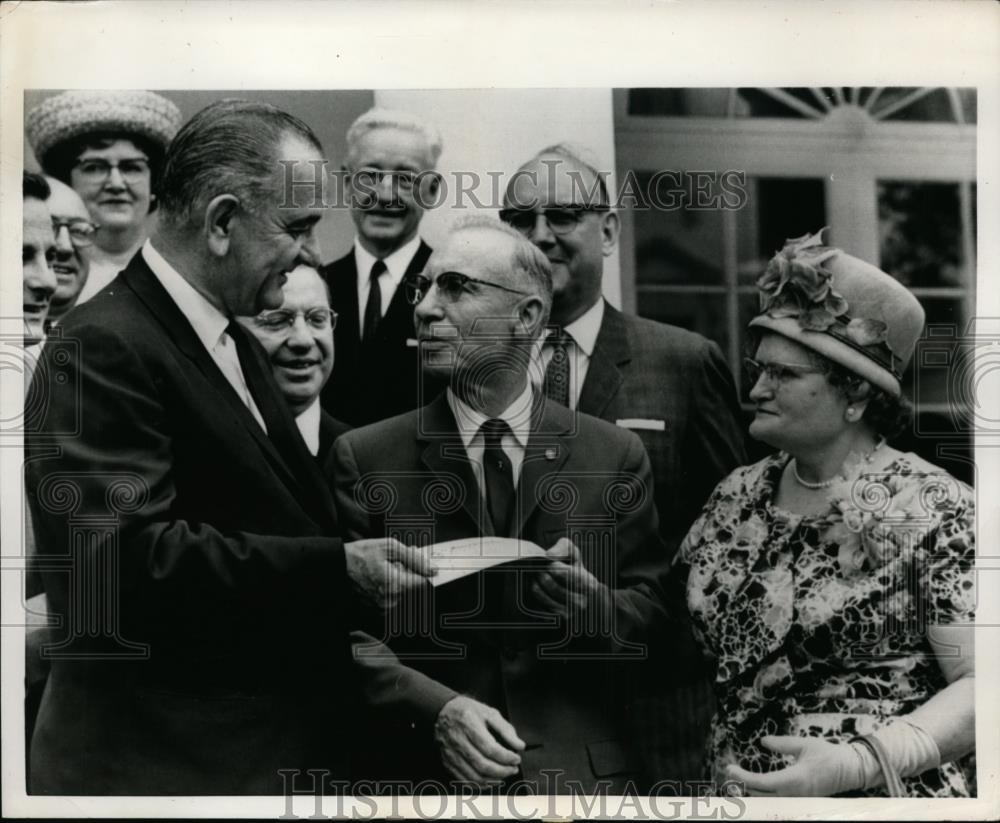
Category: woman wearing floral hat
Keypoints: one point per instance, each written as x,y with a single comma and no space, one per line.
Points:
108,146
833,581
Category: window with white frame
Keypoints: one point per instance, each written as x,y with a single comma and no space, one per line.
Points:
890,171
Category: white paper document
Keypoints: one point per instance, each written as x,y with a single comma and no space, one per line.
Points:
459,558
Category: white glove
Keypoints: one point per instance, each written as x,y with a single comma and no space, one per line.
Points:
822,768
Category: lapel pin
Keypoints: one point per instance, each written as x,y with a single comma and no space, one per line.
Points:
550,454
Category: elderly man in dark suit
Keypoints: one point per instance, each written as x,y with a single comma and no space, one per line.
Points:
671,386
537,657
390,160
191,544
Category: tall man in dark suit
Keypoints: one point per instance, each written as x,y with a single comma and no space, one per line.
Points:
537,657
390,160
191,544
671,386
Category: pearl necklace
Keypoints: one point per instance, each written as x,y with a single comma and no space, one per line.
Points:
825,484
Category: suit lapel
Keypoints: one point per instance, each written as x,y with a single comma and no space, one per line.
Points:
444,453
604,378
283,431
547,451
342,278
140,278
398,321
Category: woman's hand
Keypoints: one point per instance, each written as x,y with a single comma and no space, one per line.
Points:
821,769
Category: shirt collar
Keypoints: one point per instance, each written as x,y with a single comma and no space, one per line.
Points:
308,423
585,328
207,321
517,415
396,263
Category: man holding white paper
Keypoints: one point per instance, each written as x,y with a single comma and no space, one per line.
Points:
536,653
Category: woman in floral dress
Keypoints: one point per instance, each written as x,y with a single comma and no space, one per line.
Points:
833,581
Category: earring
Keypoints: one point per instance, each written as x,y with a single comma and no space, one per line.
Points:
850,413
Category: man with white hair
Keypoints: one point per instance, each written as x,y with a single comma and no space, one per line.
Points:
391,156
527,665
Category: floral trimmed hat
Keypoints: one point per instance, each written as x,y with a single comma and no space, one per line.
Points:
76,113
843,308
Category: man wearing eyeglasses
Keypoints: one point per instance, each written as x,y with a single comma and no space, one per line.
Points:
390,160
298,340
529,664
74,238
208,603
671,386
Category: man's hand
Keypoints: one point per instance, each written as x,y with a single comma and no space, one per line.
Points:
566,587
821,769
383,569
477,744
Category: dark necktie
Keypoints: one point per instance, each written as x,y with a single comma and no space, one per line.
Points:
373,308
557,372
498,475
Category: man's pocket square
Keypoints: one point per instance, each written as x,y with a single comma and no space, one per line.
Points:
412,342
639,423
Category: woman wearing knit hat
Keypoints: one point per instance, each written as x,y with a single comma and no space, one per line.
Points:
833,581
109,146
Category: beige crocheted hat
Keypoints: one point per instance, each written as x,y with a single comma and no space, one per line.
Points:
73,114
847,310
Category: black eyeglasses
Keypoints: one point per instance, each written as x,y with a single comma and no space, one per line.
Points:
318,319
561,219
97,169
777,373
451,284
81,232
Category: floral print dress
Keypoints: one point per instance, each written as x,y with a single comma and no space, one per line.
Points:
818,622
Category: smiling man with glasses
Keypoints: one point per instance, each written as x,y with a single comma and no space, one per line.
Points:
74,233
298,340
669,385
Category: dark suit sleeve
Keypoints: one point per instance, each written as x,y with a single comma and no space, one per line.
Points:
637,599
404,698
713,441
171,572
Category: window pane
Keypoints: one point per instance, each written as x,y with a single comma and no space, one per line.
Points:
702,313
920,231
777,209
749,304
676,245
930,378
681,102
934,107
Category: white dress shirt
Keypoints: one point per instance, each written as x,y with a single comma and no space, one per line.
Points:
581,339
308,423
396,265
208,322
469,422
